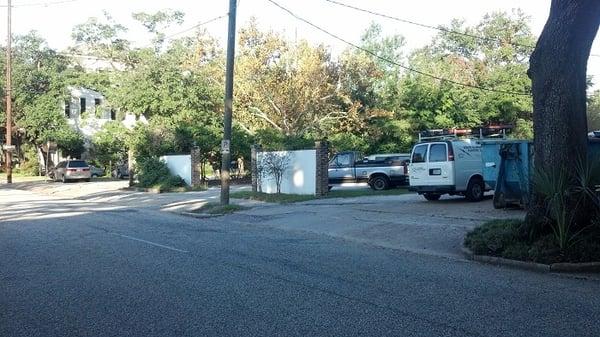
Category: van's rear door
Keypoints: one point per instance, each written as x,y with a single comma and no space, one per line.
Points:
418,165
439,165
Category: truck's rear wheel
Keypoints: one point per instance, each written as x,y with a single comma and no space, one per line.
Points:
475,190
432,196
379,183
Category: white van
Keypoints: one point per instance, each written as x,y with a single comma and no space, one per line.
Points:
452,167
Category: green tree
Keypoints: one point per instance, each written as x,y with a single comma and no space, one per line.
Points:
157,22
289,87
593,111
102,38
109,145
40,78
497,61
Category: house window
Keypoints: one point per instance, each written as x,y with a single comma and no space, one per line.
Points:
113,114
68,109
82,104
97,102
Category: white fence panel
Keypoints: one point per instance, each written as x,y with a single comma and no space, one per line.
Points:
180,165
300,176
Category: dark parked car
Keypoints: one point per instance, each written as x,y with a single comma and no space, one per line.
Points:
97,171
121,172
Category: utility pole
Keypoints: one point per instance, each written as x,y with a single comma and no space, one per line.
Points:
226,143
8,147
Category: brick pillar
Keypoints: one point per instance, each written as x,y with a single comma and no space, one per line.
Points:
253,167
196,163
322,178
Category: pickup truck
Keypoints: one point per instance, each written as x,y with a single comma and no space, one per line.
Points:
383,172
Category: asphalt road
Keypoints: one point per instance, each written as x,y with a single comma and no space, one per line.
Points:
73,268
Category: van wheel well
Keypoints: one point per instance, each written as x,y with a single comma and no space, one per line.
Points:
475,189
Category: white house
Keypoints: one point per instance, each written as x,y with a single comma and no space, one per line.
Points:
87,111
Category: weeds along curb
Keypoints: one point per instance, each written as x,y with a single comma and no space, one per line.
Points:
198,215
588,267
142,189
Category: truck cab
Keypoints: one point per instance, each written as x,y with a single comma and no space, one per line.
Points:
383,172
341,167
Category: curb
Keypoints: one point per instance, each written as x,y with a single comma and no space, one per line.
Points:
141,189
587,267
197,215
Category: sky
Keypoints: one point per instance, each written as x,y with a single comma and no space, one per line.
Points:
54,19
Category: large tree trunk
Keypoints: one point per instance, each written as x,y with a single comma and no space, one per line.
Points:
558,68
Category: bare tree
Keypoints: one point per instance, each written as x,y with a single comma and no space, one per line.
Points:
275,165
260,174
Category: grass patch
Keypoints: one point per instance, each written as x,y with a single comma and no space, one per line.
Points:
503,238
291,198
278,198
218,209
20,177
178,189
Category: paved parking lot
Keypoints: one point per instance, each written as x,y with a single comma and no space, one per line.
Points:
406,222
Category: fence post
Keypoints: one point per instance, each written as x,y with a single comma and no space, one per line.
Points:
254,167
322,176
195,161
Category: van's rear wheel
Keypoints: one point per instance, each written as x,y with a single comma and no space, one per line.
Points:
475,190
380,183
432,196
499,201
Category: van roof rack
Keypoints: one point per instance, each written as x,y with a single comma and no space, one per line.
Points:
443,134
489,131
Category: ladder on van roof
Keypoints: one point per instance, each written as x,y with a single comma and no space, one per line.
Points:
490,131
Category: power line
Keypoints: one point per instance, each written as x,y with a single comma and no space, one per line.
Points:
393,62
438,28
169,37
197,26
41,4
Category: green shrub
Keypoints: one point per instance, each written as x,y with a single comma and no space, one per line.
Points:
493,237
516,250
28,168
153,172
501,238
544,250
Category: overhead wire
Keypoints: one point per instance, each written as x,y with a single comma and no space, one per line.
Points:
438,28
370,52
198,25
40,4
168,37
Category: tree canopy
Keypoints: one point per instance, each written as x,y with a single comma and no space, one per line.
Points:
288,93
